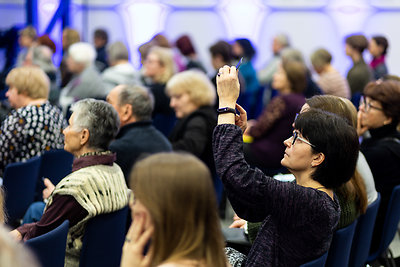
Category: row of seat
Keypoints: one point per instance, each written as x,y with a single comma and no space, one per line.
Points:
101,245
22,181
350,246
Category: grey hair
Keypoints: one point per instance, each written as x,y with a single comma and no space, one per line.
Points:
83,53
99,118
117,51
140,98
283,39
291,54
42,57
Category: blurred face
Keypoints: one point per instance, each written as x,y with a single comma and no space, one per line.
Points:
72,138
349,50
64,41
152,66
237,50
15,99
372,115
182,104
74,66
138,209
112,98
276,46
374,48
25,41
298,153
280,81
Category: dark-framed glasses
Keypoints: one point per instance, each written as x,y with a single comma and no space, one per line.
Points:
367,105
296,136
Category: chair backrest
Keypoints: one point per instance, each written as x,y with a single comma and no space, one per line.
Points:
56,164
363,235
392,219
319,262
19,182
50,247
339,251
103,239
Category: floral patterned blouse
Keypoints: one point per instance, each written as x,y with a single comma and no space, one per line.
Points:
30,130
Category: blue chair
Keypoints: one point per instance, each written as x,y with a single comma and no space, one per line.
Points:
56,164
50,247
103,240
19,183
363,235
392,219
339,251
319,262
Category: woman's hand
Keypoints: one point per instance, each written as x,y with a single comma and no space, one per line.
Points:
360,128
49,188
228,87
136,240
241,118
238,224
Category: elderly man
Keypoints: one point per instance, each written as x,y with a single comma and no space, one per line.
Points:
137,135
86,81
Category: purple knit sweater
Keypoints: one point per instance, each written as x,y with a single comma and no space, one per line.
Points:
298,222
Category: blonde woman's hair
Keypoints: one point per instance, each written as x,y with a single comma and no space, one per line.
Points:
29,80
194,83
71,36
177,190
166,59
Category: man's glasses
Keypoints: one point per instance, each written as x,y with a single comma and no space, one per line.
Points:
368,106
296,136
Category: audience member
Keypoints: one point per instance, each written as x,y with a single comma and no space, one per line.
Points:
41,56
330,80
265,75
27,39
312,88
274,125
377,47
137,136
86,81
121,71
161,40
175,221
359,74
69,37
185,46
247,99
100,40
379,113
35,125
13,253
192,98
159,67
298,218
81,195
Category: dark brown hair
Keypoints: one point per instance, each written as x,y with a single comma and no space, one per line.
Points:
358,41
296,73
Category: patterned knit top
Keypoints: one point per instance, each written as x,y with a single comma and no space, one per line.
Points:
30,130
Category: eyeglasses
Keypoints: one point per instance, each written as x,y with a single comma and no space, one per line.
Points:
368,106
296,136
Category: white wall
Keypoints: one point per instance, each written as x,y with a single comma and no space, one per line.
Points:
310,24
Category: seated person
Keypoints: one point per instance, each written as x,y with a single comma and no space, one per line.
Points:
174,206
96,184
137,136
298,218
35,125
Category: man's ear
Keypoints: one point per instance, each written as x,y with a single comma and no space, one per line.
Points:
318,159
84,136
126,113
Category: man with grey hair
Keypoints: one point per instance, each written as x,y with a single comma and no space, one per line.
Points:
121,71
86,81
137,136
265,75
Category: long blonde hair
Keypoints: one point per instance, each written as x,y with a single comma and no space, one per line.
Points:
177,190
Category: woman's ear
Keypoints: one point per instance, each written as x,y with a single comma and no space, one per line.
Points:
84,136
318,159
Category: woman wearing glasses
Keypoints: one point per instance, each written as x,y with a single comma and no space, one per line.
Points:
298,218
378,117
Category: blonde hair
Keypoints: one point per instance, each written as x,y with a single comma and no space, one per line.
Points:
71,36
196,84
166,59
3,215
29,31
177,190
29,80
